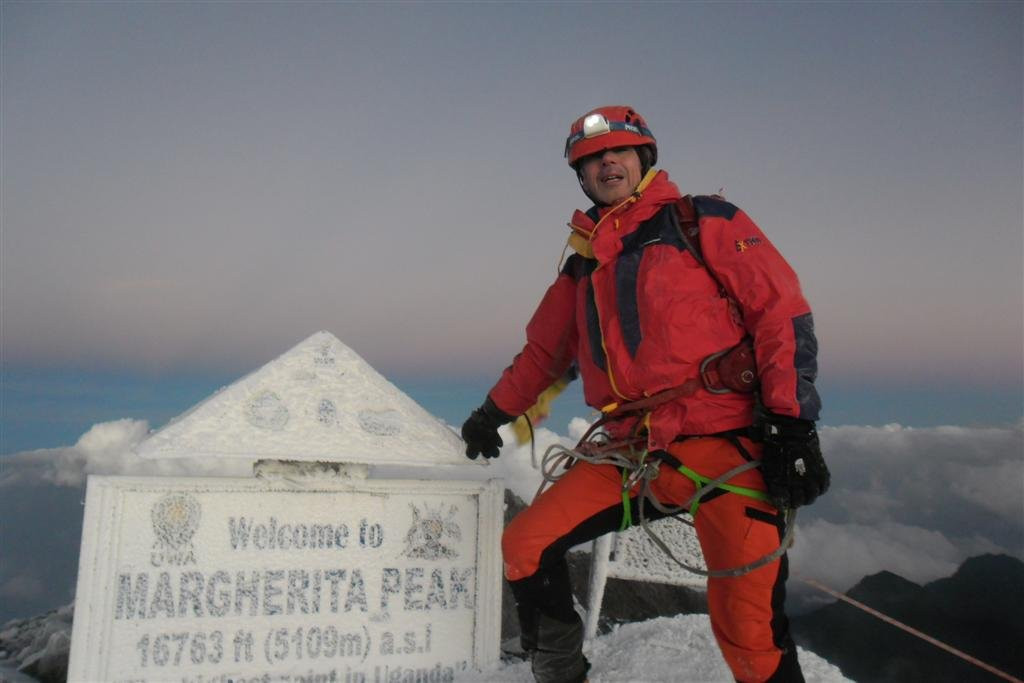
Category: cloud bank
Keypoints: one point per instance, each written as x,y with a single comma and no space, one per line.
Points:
107,448
913,501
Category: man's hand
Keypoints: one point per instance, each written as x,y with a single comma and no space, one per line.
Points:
480,430
792,466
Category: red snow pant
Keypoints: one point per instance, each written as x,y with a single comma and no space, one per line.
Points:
746,611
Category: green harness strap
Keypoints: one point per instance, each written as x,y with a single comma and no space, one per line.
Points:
702,481
627,508
699,480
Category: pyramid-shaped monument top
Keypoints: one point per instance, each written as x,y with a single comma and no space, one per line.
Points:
318,401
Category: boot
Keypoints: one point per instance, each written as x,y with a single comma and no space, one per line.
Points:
551,630
789,668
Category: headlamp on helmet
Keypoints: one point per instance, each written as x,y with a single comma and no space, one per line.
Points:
607,128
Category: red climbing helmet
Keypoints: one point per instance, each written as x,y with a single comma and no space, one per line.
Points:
607,128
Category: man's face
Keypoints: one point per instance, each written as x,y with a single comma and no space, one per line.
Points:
612,175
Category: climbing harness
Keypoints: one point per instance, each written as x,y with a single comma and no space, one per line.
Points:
639,468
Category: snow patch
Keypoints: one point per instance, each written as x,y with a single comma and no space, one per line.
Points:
663,650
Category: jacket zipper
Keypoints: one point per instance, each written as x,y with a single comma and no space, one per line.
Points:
634,197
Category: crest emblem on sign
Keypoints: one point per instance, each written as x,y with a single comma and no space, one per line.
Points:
431,532
175,520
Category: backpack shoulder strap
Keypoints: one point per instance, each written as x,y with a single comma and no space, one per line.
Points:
688,227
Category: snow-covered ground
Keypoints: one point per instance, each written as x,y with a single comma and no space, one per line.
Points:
667,649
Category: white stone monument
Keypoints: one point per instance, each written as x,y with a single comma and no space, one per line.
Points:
309,570
317,402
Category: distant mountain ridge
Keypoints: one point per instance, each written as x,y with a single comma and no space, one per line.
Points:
979,610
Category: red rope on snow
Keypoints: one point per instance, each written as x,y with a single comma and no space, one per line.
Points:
913,631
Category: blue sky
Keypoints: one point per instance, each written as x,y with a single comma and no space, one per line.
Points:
189,189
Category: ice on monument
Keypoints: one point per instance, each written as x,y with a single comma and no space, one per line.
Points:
319,401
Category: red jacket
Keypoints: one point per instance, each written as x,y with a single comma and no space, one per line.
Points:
642,313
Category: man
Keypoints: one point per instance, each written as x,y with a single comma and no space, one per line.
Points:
661,298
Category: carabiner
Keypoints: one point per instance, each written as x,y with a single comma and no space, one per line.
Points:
646,470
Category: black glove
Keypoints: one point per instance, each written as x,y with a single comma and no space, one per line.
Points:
794,471
480,430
